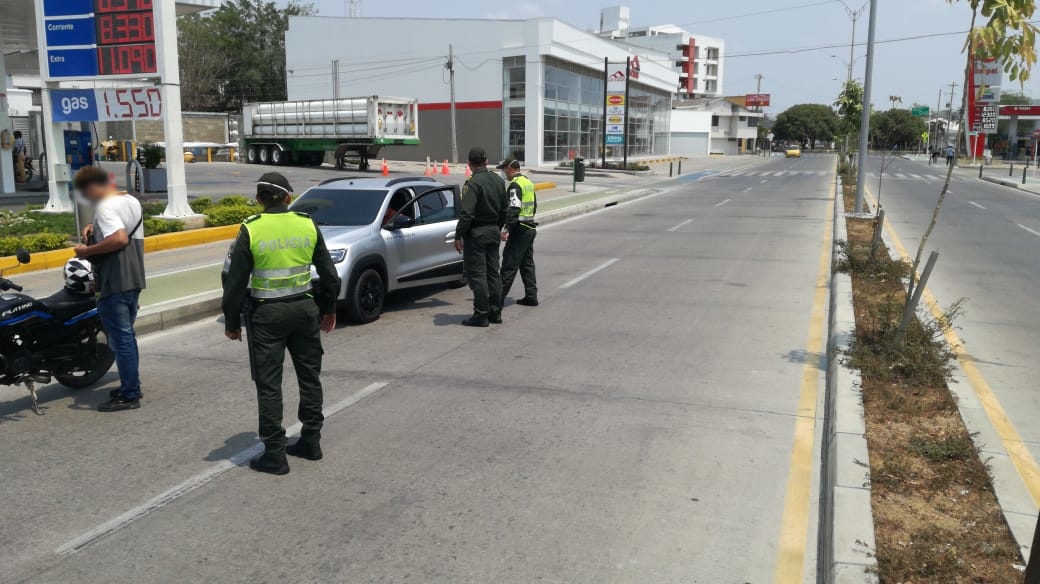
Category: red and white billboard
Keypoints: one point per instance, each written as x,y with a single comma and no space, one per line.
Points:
756,100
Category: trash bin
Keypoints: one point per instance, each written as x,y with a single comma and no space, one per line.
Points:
579,170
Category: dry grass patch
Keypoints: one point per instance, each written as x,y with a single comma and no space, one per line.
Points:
936,518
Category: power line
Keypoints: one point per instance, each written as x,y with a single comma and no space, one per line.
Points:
759,13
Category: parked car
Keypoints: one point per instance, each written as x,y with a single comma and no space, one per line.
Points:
793,151
384,235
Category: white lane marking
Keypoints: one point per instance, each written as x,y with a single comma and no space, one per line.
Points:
748,189
917,176
162,499
1033,231
721,203
900,175
978,205
681,225
592,272
184,270
764,182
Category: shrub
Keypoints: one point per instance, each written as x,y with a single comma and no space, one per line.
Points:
34,242
201,204
220,215
233,201
154,226
153,207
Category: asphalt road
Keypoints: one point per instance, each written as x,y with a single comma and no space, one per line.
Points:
637,427
988,237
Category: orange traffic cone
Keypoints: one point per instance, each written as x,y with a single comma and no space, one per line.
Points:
386,168
469,173
445,170
429,169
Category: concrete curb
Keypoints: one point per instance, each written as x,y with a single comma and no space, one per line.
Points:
165,315
847,530
595,205
1001,181
46,260
1013,496
544,186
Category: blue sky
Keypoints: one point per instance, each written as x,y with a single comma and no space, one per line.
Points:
914,70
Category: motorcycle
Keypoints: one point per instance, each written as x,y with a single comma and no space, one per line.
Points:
57,337
28,169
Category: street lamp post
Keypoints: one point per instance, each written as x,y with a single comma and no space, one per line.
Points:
864,125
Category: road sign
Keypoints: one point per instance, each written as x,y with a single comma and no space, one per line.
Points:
770,136
84,39
924,136
920,111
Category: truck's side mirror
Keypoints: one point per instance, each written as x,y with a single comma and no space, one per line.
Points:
22,255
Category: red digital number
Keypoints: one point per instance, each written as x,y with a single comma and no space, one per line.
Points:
127,60
106,6
125,28
121,97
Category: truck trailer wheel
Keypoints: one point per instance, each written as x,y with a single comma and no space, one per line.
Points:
252,155
265,155
278,156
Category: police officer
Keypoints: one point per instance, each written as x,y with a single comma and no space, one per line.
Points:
276,250
479,237
519,233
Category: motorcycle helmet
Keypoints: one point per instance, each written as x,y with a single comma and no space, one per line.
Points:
79,276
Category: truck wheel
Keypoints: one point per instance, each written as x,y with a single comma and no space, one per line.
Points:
365,297
252,155
265,155
278,156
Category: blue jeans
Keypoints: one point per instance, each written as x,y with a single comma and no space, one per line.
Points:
118,313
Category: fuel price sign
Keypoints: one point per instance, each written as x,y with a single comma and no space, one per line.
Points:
99,38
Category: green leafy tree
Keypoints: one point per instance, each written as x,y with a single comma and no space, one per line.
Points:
806,123
896,127
235,54
849,106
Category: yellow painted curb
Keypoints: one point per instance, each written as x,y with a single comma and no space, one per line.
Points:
544,186
45,260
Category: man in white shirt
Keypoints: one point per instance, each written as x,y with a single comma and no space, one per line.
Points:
115,245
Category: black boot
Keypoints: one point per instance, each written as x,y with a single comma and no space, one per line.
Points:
270,464
495,318
311,450
476,321
119,404
527,301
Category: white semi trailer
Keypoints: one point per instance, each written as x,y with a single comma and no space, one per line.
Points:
302,132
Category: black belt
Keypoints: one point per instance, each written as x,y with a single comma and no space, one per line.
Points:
293,298
530,224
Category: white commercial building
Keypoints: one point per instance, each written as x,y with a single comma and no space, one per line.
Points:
697,58
530,88
731,128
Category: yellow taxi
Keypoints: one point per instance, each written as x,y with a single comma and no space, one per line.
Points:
793,151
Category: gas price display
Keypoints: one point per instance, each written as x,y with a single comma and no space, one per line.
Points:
125,37
90,38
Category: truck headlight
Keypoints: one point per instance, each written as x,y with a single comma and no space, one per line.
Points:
338,255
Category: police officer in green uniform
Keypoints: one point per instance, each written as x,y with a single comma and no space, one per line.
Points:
519,233
479,238
275,251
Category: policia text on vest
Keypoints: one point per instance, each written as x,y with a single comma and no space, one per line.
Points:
283,310
520,232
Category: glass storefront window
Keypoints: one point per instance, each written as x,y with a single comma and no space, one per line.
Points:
574,98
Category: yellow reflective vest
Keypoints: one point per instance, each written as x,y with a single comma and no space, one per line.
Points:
282,245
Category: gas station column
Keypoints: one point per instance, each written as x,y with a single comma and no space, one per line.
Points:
6,149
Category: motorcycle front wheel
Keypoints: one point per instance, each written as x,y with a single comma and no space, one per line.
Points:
100,363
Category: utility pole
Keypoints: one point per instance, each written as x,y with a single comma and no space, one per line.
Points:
758,87
335,79
949,113
354,8
450,66
864,125
854,16
938,116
